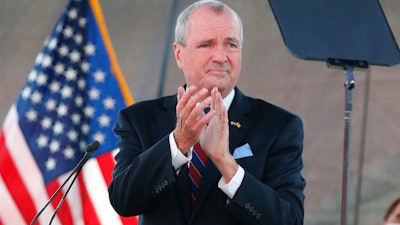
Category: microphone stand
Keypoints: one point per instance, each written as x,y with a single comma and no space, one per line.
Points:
89,150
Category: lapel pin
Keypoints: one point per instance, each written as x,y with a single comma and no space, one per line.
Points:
235,123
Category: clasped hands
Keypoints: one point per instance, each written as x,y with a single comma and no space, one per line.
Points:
210,130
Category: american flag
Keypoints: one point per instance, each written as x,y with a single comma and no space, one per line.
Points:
71,98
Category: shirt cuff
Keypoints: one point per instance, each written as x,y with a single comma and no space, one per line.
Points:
230,188
178,158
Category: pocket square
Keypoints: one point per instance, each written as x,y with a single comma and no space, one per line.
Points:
242,151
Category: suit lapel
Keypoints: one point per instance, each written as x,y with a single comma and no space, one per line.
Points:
238,119
167,124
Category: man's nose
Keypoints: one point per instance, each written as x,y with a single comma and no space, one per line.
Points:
220,54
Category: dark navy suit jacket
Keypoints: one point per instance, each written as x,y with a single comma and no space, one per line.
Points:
145,183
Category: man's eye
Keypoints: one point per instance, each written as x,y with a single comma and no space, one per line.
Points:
204,46
232,45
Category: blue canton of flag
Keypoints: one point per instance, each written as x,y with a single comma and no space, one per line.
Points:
71,97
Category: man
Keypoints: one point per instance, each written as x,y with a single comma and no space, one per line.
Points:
253,149
392,215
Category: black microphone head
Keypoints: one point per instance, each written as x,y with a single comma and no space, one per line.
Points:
92,147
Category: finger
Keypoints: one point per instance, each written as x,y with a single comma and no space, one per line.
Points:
183,100
190,109
217,101
181,91
185,95
206,103
203,121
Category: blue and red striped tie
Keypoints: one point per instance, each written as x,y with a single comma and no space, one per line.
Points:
196,168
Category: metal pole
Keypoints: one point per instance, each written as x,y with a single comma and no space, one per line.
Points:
362,150
167,48
348,110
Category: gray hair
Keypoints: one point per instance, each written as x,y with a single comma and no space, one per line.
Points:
184,16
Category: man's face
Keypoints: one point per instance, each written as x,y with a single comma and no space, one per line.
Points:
213,52
394,217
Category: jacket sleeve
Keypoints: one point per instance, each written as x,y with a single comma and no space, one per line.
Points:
138,179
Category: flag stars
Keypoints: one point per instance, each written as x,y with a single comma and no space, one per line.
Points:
62,110
50,164
46,123
59,27
58,128
69,153
46,62
42,141
41,79
78,39
31,115
63,50
72,135
78,101
36,97
66,92
85,128
54,146
89,49
94,94
109,103
82,146
71,74
89,111
26,92
52,44
99,76
72,14
99,137
59,68
104,120
54,86
50,105
85,66
32,76
76,118
81,84
67,102
75,56
82,22
39,59
68,32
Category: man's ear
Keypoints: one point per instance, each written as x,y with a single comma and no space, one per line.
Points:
178,57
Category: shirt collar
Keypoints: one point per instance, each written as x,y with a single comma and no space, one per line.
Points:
227,101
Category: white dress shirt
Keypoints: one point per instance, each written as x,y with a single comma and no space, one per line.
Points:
179,159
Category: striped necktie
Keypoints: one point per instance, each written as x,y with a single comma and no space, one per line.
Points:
197,165
196,168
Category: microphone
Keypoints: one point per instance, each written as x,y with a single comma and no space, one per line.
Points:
90,148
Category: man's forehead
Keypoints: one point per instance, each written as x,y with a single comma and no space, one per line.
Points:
199,12
212,20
